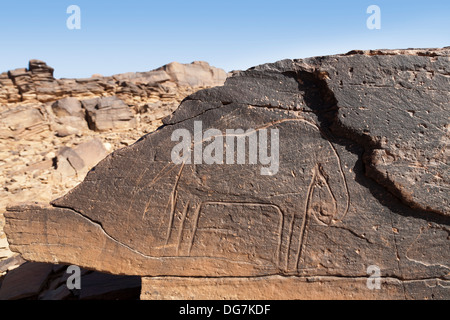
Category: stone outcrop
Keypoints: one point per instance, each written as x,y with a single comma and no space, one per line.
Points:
196,74
78,161
37,84
108,113
68,107
23,120
361,180
33,101
49,140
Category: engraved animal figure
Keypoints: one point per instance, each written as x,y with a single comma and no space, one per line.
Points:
285,217
227,213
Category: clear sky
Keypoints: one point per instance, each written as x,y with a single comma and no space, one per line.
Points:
137,35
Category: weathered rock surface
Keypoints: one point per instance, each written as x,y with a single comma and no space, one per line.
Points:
22,121
42,281
26,282
37,84
79,160
72,106
33,133
68,107
196,74
109,113
285,288
362,180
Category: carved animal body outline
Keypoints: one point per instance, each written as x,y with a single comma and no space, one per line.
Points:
318,177
150,196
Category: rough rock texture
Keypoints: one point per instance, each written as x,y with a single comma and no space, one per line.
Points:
79,160
26,282
68,107
196,74
285,288
37,84
22,121
42,281
362,180
34,133
109,113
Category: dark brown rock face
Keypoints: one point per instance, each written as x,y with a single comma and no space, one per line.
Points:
345,166
42,281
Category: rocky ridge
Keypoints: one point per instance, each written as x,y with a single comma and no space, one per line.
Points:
37,84
52,131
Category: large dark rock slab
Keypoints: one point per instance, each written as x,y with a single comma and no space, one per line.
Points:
25,281
356,176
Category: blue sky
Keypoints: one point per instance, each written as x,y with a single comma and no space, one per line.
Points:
135,35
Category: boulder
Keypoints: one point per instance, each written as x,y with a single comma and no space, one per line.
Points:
21,117
66,126
108,113
70,117
308,178
68,107
10,263
40,70
23,121
79,160
196,74
91,152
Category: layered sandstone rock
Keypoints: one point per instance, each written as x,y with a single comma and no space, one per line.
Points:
358,178
109,113
37,84
49,139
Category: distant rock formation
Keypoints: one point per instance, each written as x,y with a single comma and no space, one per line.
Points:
37,84
100,103
362,184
